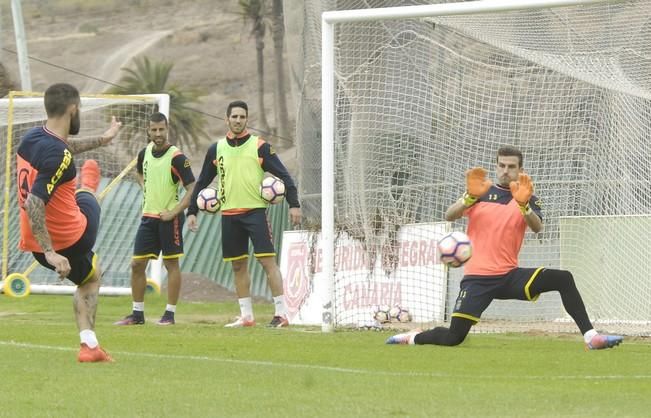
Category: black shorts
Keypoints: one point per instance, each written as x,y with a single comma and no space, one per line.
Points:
80,255
237,229
154,236
477,292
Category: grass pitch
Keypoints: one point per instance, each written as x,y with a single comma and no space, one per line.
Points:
200,368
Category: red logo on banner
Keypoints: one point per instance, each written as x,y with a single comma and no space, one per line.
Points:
296,284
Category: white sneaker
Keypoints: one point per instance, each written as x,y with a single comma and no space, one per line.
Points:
240,322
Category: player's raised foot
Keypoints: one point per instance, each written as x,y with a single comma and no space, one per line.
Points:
599,342
90,175
241,321
131,320
166,319
278,321
92,355
404,338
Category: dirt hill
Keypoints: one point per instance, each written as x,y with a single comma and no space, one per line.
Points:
207,40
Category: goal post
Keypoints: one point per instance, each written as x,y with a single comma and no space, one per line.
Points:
413,96
118,193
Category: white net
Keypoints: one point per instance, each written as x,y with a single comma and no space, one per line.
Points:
419,101
119,193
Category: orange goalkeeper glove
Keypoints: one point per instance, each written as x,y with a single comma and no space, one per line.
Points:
521,191
476,185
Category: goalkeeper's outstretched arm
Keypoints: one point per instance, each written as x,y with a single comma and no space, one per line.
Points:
455,211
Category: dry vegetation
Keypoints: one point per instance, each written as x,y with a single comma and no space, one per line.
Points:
207,40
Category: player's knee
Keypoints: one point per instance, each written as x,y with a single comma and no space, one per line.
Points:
455,338
138,265
171,264
565,279
239,265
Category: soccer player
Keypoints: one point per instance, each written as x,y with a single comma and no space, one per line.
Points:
498,216
58,224
161,166
241,159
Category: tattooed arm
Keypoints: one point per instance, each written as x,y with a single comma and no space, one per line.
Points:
77,145
35,208
81,145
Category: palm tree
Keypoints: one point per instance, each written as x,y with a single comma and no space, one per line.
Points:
186,125
254,12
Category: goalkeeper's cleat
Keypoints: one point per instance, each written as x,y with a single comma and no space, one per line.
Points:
278,321
132,319
404,338
90,175
599,342
166,319
241,321
93,355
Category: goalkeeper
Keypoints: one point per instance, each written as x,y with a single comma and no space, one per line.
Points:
498,216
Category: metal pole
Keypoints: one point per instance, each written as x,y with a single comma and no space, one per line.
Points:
21,45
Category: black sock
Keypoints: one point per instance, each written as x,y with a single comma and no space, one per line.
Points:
563,282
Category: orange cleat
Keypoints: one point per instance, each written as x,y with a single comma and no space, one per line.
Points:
90,175
93,355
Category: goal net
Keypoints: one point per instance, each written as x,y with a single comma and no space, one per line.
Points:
118,193
417,101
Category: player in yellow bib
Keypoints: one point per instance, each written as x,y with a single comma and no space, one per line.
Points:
240,161
161,167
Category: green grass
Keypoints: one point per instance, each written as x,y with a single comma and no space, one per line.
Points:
199,368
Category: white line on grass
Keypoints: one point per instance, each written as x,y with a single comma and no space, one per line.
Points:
331,368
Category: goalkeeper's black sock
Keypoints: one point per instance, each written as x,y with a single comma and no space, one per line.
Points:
459,328
563,282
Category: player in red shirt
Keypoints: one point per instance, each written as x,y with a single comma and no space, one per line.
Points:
58,223
498,216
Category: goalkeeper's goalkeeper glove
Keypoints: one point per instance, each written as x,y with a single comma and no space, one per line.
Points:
476,186
521,191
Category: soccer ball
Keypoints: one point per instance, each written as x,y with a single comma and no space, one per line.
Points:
381,314
208,201
272,189
399,314
455,249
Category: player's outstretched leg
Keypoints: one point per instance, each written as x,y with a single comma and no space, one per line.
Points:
599,342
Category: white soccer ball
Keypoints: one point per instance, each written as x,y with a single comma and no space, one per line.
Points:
455,249
208,201
381,314
272,189
403,316
399,314
394,312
